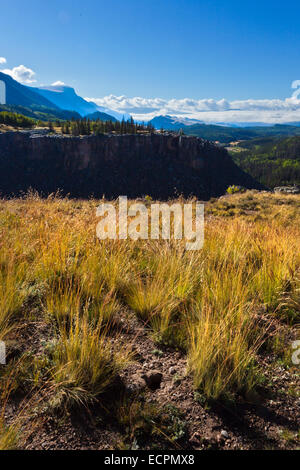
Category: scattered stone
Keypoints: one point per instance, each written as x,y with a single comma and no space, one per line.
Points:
224,434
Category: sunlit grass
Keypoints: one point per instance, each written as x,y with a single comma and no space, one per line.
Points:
220,354
8,437
84,364
205,303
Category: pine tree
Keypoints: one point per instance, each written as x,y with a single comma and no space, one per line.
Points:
50,125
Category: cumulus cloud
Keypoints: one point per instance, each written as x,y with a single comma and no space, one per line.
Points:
208,110
22,74
2,60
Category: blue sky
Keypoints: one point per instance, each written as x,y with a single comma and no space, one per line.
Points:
158,49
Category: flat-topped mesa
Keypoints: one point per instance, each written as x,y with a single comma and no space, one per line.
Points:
161,166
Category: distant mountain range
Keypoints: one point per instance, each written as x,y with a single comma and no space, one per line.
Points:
53,102
224,133
21,95
62,102
172,122
65,97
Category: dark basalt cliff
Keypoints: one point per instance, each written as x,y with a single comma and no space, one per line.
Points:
134,165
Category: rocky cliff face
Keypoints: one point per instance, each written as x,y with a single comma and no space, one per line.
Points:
134,165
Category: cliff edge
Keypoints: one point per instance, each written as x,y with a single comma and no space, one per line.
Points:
161,166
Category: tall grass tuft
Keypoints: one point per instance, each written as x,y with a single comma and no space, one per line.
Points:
84,363
221,356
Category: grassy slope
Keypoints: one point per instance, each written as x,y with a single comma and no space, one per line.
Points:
71,296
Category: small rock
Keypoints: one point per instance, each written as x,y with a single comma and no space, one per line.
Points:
224,434
172,371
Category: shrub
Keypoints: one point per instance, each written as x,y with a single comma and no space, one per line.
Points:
235,189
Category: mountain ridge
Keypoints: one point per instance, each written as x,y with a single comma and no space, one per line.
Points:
50,102
65,97
224,134
21,95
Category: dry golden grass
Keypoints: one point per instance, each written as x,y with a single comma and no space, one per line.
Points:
206,303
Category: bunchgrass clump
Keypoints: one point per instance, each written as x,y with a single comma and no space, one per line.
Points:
208,303
84,364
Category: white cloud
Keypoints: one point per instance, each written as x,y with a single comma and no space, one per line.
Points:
2,60
58,83
208,110
22,74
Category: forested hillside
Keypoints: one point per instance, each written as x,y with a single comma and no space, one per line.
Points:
16,120
272,162
225,134
41,113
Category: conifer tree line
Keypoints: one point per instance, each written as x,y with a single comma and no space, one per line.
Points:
275,162
76,127
88,127
16,120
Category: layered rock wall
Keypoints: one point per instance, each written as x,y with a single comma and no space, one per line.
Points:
161,166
